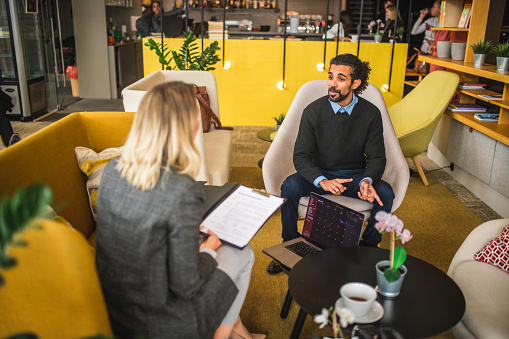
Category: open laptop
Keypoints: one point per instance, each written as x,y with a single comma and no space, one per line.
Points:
175,26
327,225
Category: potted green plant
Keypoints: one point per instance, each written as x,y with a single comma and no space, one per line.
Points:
502,52
279,119
187,58
390,273
481,49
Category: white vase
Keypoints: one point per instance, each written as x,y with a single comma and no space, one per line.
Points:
479,59
444,49
458,50
378,38
502,63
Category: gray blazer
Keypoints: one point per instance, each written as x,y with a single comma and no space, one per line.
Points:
155,282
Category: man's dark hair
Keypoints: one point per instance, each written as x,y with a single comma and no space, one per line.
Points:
360,69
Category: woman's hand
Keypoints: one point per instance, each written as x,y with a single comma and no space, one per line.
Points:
212,241
423,13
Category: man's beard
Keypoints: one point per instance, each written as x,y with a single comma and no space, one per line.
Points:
340,96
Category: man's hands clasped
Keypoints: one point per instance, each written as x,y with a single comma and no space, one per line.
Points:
366,190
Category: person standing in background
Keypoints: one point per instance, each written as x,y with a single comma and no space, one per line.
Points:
344,28
150,22
390,28
422,26
7,134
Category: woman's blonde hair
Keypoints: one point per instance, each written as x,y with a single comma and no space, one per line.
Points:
162,135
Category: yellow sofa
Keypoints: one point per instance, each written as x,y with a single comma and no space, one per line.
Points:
55,273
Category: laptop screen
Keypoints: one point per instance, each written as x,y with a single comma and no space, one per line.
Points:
331,225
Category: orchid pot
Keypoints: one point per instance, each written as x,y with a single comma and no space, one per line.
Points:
385,287
390,273
378,38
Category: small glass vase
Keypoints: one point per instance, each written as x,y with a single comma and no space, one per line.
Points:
389,289
378,38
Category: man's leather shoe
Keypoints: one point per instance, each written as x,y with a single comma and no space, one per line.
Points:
274,267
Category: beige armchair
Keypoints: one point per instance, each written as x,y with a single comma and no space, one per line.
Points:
278,162
485,287
214,146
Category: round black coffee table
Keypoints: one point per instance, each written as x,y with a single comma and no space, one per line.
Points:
430,302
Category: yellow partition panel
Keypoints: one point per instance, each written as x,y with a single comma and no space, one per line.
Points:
248,93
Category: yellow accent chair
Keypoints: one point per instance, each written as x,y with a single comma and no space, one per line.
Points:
53,291
416,116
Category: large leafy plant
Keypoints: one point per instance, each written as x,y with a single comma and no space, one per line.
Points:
187,58
388,223
16,215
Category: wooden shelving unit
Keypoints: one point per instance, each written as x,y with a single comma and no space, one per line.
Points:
483,12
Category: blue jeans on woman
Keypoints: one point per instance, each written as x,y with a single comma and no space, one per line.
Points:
296,187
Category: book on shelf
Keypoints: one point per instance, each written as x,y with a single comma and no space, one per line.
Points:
450,13
464,15
471,85
491,97
459,107
468,18
486,116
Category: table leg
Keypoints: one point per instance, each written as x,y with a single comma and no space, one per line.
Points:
299,323
286,305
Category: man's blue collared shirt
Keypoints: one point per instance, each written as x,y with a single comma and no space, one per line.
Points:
347,109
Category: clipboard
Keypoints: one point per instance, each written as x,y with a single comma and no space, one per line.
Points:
239,214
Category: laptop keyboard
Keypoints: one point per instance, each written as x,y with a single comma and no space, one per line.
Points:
301,248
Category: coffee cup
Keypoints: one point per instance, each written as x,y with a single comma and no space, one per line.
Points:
358,297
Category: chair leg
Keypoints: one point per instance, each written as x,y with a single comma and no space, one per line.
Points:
299,323
286,305
421,172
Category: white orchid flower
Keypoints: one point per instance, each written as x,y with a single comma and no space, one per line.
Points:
323,318
346,316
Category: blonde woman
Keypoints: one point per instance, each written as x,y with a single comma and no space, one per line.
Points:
158,280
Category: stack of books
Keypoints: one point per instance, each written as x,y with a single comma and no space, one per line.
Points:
457,107
471,85
216,30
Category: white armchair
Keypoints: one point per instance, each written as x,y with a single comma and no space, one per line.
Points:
485,287
214,146
278,162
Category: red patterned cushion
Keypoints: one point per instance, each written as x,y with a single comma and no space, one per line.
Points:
496,252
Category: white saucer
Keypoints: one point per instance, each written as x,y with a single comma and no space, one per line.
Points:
375,313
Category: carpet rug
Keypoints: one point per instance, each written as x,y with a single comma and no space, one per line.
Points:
438,219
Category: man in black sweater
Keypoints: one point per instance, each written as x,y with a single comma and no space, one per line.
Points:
339,150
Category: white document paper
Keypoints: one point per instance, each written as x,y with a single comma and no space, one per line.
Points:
237,219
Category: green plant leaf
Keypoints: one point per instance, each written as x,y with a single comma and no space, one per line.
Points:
399,257
391,275
7,262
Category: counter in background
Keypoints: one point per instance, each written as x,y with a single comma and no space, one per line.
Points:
126,65
248,95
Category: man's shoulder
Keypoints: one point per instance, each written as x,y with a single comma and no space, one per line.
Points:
319,103
367,106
